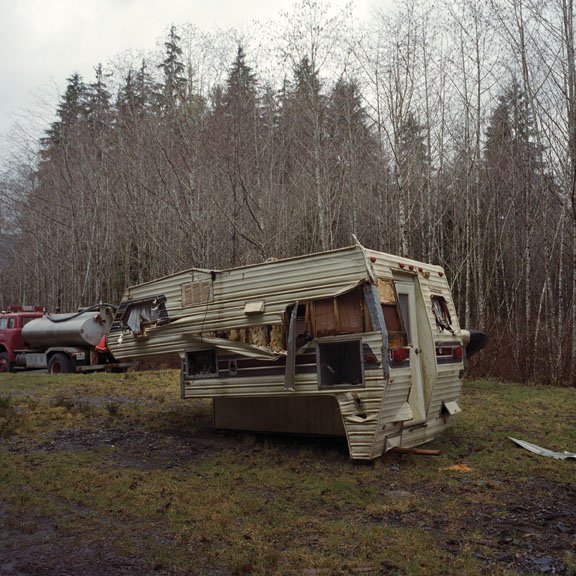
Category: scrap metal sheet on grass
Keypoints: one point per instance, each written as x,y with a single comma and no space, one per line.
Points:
543,451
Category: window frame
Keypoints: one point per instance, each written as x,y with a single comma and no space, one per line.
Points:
339,341
198,375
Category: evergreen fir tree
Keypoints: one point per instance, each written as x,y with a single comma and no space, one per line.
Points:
174,88
98,110
71,111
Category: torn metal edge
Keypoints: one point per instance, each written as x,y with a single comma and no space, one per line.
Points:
543,451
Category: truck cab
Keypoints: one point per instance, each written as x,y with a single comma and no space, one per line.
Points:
11,323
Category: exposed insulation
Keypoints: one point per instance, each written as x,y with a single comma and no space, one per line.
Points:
255,335
386,291
277,340
260,336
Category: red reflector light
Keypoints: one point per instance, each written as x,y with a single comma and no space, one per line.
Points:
450,353
370,358
372,259
399,355
402,265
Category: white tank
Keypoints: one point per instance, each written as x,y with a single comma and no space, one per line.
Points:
84,329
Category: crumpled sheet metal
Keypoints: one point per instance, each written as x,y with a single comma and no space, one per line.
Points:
233,347
543,451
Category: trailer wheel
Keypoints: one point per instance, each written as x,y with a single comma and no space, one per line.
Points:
5,365
59,364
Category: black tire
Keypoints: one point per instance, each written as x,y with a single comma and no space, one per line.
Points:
5,365
59,364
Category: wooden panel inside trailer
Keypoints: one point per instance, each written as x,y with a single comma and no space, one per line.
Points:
319,415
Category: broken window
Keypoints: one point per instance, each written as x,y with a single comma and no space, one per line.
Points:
202,364
442,314
392,314
405,310
139,316
340,364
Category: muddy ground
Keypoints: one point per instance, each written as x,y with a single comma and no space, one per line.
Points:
526,526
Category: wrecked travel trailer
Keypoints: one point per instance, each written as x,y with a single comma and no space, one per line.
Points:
349,342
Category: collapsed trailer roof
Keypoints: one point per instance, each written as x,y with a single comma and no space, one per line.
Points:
196,304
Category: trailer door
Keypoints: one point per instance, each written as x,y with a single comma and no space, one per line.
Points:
407,299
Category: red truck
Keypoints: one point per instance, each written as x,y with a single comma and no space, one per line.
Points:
32,339
11,323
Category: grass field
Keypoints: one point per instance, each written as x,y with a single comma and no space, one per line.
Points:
114,474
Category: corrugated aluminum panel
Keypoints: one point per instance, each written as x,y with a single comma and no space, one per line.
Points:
418,436
448,387
367,412
279,284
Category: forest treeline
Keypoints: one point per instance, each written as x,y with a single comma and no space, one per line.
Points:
445,132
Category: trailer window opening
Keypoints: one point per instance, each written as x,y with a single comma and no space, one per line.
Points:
202,364
442,314
393,316
340,364
144,314
405,311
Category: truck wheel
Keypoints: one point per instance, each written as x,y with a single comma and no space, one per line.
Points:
5,365
59,364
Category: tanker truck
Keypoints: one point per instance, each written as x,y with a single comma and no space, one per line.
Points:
31,339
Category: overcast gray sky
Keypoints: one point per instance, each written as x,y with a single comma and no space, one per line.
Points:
42,42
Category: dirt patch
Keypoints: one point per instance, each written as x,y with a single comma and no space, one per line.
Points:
531,527
36,545
528,527
136,448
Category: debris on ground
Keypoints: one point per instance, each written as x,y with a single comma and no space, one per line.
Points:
543,451
457,468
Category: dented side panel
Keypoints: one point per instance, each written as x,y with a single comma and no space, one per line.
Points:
276,284
232,331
